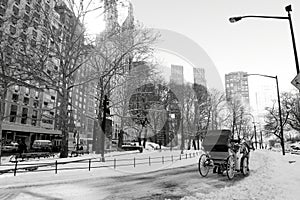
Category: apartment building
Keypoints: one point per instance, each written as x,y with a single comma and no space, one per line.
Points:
29,114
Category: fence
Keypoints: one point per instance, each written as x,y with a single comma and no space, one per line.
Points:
90,163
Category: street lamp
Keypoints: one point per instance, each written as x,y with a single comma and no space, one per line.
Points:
288,9
279,108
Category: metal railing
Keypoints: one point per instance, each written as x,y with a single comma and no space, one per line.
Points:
90,163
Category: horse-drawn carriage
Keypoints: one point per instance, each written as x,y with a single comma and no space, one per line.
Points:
224,154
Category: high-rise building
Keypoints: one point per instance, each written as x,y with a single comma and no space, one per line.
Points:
177,75
199,76
29,113
236,86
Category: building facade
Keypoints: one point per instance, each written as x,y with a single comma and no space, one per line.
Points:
199,76
29,114
236,87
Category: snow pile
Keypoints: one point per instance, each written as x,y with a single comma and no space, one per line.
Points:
272,176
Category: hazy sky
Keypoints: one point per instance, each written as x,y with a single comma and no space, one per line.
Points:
252,45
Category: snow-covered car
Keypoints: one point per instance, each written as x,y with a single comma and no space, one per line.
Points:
128,146
12,147
295,149
152,146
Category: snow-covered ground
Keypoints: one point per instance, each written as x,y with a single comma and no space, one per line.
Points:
142,166
273,176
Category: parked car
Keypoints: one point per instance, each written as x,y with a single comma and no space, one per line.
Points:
128,146
295,149
42,145
11,148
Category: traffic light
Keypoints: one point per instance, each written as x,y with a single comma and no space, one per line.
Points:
106,105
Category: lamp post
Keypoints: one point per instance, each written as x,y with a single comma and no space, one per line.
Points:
288,9
279,108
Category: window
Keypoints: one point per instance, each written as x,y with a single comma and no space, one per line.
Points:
26,101
12,29
45,104
15,97
2,11
16,10
36,15
47,7
27,9
11,40
33,43
13,113
37,7
26,19
35,24
27,91
23,36
34,117
24,115
14,20
35,103
53,98
36,94
24,25
4,3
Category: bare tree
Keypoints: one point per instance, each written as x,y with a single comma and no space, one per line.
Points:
114,55
63,38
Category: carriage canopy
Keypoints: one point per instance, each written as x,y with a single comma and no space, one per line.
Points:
216,143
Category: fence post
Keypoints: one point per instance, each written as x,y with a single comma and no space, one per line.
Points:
16,165
172,158
149,161
190,155
162,159
115,163
186,156
56,167
134,162
179,156
90,164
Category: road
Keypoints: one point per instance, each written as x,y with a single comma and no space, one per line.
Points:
166,184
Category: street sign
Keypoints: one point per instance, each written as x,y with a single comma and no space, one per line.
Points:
296,81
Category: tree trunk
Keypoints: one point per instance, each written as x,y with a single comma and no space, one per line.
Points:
2,113
65,124
145,137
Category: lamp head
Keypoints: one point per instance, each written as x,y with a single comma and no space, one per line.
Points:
234,19
288,8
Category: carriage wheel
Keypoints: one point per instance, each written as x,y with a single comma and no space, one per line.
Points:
245,166
230,167
203,165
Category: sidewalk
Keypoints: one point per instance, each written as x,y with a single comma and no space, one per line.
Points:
163,161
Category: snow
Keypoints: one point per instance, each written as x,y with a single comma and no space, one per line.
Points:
272,176
49,177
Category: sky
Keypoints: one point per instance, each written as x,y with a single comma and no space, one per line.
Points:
253,45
